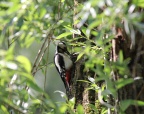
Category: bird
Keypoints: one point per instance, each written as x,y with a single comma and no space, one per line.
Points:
63,64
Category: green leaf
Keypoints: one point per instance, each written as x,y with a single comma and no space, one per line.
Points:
120,57
10,53
68,27
63,108
80,56
122,82
94,108
62,0
106,92
95,24
71,102
29,41
76,31
91,79
36,101
73,30
126,103
80,109
139,103
11,65
34,86
84,81
139,3
4,109
64,35
24,62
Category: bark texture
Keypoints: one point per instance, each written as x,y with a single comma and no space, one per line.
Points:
133,49
136,54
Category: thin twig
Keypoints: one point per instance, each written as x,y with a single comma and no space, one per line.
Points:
141,91
43,67
47,58
72,7
38,55
101,100
59,8
13,107
8,42
41,58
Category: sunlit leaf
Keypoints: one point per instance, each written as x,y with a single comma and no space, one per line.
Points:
25,62
11,65
63,108
4,109
76,31
64,35
61,93
84,81
28,24
80,56
139,3
94,24
36,101
71,102
120,57
80,109
10,53
91,79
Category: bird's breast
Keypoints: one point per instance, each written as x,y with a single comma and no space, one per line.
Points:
67,61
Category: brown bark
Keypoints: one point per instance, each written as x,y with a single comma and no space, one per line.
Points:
82,96
132,91
121,42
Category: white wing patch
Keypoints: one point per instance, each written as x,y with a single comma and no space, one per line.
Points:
57,63
67,61
61,69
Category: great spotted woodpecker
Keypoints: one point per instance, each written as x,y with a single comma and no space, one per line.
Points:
63,63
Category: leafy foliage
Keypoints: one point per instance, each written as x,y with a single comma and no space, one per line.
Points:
23,22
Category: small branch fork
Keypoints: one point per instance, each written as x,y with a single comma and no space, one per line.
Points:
40,55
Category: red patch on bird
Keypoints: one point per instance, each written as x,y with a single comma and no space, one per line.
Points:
68,76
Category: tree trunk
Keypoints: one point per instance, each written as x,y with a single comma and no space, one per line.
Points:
82,96
130,49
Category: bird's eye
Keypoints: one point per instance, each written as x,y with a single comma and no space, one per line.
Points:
60,50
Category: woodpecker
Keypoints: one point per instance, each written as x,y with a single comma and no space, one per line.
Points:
63,63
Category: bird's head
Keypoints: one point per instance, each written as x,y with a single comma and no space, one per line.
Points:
62,48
